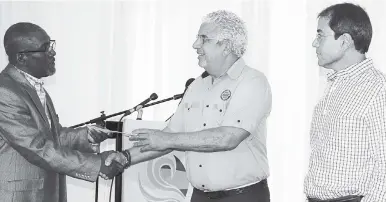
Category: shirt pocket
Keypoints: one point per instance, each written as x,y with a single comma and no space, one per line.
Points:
214,112
192,115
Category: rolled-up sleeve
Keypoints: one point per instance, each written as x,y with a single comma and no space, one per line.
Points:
250,104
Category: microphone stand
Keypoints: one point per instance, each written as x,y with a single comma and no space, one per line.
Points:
101,121
118,182
102,118
174,97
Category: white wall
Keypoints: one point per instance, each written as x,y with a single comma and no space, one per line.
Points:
111,55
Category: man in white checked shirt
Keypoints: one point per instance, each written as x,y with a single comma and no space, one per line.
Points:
348,131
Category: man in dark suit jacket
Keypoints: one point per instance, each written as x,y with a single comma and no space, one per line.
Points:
36,152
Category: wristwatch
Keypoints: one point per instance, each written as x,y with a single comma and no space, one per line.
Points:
126,153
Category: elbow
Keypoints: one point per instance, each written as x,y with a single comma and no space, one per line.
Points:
231,143
233,140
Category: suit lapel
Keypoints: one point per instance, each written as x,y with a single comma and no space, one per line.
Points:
13,73
52,113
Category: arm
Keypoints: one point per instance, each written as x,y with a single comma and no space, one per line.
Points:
19,129
175,124
376,120
222,138
77,139
250,104
137,156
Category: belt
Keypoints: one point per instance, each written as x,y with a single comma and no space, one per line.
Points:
231,192
342,199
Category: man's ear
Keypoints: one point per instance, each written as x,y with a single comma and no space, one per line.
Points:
347,41
21,58
226,48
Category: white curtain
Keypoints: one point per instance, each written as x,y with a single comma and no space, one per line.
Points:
111,55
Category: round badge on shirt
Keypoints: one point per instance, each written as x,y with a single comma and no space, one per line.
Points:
226,94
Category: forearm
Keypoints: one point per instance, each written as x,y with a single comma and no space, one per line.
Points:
210,140
62,160
137,156
76,139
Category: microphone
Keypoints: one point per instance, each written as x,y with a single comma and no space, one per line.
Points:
153,96
204,74
187,84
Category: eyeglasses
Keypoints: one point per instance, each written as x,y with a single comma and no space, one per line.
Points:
50,46
204,39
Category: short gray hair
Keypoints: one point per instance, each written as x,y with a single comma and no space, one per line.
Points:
232,29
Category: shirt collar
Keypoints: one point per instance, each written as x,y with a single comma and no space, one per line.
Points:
235,70
33,80
352,70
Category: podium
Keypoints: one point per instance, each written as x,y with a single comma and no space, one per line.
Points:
160,179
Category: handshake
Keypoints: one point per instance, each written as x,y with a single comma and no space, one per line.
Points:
114,163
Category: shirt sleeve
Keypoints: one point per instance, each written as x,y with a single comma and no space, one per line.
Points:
250,103
19,129
376,119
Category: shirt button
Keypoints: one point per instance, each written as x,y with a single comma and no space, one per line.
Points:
204,124
200,165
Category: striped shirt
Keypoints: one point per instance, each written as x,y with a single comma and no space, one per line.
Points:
348,136
38,85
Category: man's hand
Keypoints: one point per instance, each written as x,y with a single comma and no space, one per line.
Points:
95,148
114,168
97,134
116,157
150,139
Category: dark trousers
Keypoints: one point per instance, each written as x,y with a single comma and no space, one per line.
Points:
342,199
258,192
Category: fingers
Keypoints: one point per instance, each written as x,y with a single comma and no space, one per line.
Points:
110,158
95,148
94,126
146,148
141,143
118,165
138,137
97,128
103,176
119,158
142,130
